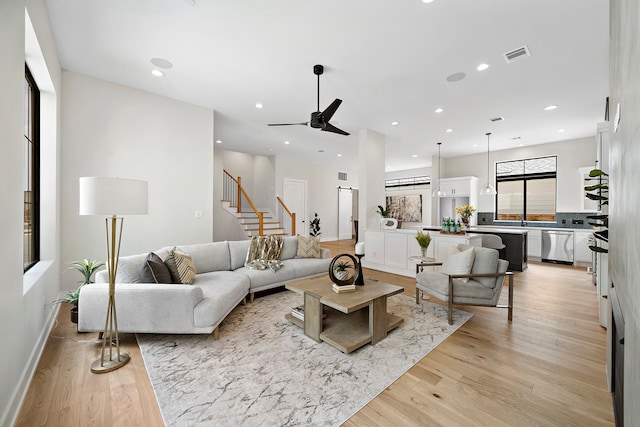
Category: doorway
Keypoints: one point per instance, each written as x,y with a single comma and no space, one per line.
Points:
294,194
347,212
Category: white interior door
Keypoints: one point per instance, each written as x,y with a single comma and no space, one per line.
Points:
294,194
345,210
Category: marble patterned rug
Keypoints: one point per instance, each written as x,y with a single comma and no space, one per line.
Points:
263,371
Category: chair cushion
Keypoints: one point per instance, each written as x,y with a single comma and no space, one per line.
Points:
437,283
485,262
459,263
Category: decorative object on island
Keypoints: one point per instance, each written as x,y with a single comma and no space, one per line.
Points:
439,192
488,190
465,213
424,239
86,267
359,253
338,270
384,212
315,226
600,193
112,196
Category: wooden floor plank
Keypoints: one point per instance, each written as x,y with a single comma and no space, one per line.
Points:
546,368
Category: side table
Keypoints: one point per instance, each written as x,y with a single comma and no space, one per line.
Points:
421,263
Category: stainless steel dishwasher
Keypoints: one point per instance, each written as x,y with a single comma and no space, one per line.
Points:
557,246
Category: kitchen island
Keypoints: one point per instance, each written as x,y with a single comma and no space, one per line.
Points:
515,241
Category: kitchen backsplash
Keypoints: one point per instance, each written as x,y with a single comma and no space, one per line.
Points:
577,220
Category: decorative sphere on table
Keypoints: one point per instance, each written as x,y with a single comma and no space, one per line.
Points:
343,269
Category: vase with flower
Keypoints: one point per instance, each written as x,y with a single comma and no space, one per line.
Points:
423,239
465,212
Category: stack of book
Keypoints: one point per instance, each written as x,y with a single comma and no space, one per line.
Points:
345,288
298,312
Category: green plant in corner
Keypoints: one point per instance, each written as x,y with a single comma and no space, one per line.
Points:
87,268
315,226
600,193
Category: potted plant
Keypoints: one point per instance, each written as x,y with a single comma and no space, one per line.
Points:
465,213
87,268
384,213
600,193
315,226
423,240
340,270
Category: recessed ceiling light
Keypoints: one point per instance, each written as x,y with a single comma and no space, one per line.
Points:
157,73
560,130
161,63
395,123
439,110
475,145
218,141
414,155
287,143
482,67
550,107
449,130
339,155
427,1
258,105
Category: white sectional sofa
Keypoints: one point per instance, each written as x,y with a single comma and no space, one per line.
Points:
222,282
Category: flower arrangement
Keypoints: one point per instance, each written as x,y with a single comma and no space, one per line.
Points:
465,211
423,239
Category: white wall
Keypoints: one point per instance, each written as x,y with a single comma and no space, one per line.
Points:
113,130
624,169
572,155
322,189
25,320
371,146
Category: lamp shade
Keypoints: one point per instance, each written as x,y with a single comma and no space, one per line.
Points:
113,196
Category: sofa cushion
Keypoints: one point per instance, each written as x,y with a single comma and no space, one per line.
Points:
289,247
308,247
485,262
153,270
238,252
459,263
263,250
222,290
181,267
211,256
308,266
262,278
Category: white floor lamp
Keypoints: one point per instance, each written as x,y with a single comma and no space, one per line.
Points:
112,196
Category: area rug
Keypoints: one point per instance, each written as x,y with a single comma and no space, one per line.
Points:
263,371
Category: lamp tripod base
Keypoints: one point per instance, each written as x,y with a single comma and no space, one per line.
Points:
104,365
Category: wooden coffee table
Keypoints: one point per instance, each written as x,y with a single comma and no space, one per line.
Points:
347,321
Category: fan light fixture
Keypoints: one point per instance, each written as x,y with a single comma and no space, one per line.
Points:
439,192
488,190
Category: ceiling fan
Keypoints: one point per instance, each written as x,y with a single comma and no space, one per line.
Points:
320,120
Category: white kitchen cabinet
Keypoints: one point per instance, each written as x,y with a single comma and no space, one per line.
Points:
396,250
463,186
581,252
374,247
534,243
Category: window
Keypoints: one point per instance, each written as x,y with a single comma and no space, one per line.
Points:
31,179
407,182
526,189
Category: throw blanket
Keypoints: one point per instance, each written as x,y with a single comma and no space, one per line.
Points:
264,252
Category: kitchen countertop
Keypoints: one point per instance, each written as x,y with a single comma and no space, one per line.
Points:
485,230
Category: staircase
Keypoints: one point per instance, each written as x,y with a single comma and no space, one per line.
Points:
254,221
250,222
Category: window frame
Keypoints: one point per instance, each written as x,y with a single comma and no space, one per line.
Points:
33,174
525,178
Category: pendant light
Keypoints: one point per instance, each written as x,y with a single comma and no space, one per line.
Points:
488,190
439,192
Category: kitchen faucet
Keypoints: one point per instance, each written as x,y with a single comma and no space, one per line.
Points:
522,224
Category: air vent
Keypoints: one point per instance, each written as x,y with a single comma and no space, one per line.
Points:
519,53
497,119
342,176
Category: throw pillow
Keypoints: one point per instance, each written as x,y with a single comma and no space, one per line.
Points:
263,250
459,263
308,247
181,266
153,270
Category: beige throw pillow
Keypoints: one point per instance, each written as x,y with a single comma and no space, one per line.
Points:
181,266
459,263
308,247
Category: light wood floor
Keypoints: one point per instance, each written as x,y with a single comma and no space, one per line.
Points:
546,368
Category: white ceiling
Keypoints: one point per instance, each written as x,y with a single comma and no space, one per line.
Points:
387,60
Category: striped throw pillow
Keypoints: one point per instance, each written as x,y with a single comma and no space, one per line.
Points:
308,247
181,266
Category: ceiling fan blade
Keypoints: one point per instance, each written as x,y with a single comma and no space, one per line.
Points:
331,109
288,124
331,128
